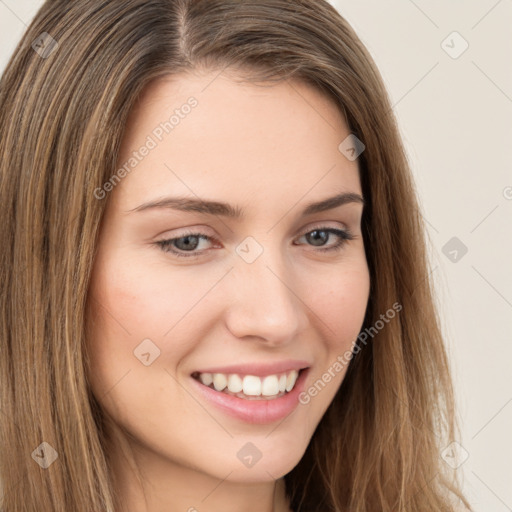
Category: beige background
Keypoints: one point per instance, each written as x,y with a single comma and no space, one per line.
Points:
455,115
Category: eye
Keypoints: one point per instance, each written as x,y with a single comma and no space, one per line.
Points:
189,242
320,234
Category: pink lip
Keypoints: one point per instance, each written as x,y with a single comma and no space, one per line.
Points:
254,411
259,369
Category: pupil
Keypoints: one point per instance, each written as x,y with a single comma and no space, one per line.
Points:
315,238
187,244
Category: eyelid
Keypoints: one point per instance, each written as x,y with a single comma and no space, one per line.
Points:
344,235
193,231
323,225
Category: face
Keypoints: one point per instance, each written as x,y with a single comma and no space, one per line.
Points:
184,294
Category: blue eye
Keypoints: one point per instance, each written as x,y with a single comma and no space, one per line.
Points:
189,242
343,237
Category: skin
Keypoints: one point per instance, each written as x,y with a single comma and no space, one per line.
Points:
269,150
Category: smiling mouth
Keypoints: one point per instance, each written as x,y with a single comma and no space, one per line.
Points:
250,387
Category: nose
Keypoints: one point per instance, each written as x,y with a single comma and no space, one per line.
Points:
265,301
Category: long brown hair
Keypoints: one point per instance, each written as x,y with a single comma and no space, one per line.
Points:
64,100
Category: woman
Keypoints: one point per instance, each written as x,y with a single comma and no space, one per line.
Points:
294,361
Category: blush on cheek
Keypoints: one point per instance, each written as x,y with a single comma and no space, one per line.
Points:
344,307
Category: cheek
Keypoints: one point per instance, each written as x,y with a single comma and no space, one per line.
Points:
131,302
341,304
339,309
135,300
123,310
130,310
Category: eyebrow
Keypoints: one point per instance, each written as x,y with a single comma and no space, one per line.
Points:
204,206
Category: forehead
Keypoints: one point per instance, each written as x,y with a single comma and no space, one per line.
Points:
251,140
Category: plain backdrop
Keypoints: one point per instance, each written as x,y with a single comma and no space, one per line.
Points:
448,70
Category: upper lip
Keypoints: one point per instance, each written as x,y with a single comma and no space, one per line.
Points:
258,369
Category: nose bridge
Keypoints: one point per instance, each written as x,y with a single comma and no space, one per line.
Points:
264,303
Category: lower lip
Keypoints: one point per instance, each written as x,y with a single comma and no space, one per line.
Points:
255,411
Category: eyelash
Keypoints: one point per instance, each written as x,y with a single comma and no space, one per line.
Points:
344,236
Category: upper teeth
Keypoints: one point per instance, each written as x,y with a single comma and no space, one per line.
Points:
251,384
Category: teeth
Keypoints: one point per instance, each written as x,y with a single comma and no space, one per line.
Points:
206,378
282,383
290,380
235,384
251,385
219,381
270,386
